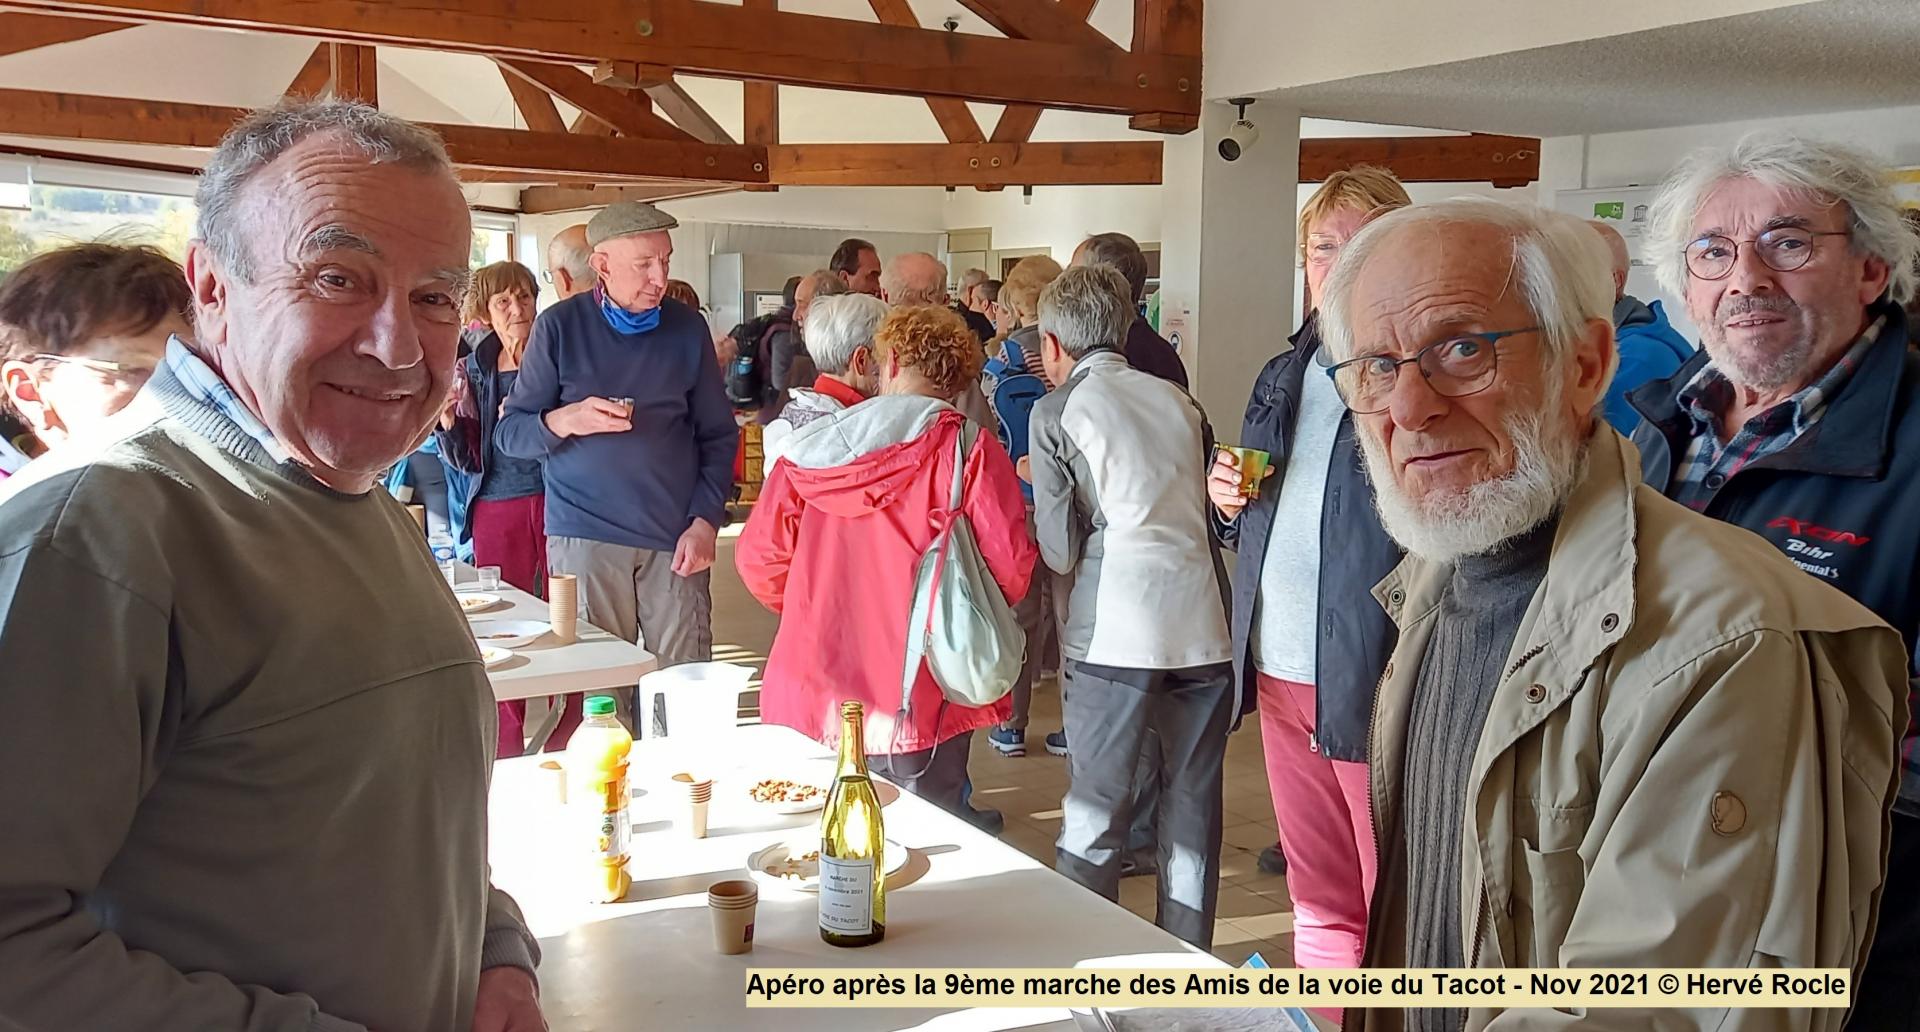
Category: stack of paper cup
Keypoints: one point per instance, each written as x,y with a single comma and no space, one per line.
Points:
732,904
563,605
699,796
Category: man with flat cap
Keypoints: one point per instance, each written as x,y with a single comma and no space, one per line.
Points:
621,400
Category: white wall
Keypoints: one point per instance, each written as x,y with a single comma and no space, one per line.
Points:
1253,46
1059,217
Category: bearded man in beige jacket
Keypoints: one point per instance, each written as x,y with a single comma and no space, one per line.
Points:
1614,733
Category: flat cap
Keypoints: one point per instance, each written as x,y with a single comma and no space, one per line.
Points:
625,219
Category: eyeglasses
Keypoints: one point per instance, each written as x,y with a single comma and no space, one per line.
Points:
546,275
118,372
1460,365
1782,250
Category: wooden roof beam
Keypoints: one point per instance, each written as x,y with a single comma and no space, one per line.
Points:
1061,22
315,77
355,73
982,164
673,100
21,32
70,116
702,38
1017,121
1479,158
957,123
1169,29
542,200
536,105
606,103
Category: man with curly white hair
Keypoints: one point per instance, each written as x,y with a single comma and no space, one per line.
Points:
1800,417
1613,733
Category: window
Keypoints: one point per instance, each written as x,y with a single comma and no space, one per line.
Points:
56,216
492,239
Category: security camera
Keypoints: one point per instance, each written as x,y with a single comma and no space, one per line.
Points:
1242,135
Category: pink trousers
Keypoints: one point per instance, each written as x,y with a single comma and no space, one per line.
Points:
1326,830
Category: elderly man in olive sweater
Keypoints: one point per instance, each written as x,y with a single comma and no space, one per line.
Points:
248,733
621,400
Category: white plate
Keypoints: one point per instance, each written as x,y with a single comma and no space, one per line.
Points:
763,863
493,656
475,601
507,634
807,806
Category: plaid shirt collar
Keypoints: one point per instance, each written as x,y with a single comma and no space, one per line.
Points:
1710,393
206,387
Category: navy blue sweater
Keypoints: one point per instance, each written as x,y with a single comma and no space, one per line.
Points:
644,487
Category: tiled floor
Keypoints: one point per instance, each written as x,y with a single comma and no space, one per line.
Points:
1254,915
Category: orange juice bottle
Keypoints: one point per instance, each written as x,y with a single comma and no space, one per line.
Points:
597,764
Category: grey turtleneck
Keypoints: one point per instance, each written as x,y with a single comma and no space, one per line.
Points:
1480,612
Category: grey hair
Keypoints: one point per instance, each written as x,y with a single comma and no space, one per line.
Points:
1789,162
1558,263
1122,252
839,325
894,280
573,257
256,140
826,283
1088,308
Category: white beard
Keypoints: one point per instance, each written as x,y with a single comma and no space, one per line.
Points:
1444,526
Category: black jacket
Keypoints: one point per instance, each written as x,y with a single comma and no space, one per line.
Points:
464,447
1355,635
1843,501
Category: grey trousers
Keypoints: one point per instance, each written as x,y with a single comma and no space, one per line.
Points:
1110,714
633,592
1039,611
938,775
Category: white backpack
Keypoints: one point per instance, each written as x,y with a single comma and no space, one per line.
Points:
961,623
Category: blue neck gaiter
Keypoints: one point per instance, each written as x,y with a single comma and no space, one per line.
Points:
624,321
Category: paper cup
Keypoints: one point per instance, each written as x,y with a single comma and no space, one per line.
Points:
563,605
556,778
732,904
698,800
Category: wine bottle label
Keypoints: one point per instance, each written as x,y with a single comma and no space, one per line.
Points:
846,895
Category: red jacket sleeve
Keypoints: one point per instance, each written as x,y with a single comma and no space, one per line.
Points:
764,553
998,511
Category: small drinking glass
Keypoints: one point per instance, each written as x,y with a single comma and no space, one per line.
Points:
489,578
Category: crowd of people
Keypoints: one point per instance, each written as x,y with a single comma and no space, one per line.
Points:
1570,644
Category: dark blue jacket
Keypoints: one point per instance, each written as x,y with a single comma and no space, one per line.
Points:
463,448
1843,501
1650,349
644,487
1355,634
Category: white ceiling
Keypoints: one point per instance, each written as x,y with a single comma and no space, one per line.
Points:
1833,55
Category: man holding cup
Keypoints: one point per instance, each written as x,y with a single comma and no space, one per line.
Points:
621,399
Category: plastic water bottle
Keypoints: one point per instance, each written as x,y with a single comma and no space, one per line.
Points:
442,544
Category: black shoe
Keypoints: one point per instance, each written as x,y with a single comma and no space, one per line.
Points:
993,822
1141,868
1272,860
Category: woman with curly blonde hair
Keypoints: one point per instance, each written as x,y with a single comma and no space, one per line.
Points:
834,540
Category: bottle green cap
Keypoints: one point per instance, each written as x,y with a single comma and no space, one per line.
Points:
599,705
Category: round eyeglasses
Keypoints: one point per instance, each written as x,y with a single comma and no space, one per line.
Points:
1455,367
1785,249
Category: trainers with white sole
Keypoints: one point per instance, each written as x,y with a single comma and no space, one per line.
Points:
1008,741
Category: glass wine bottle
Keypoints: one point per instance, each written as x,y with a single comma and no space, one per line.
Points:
853,890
